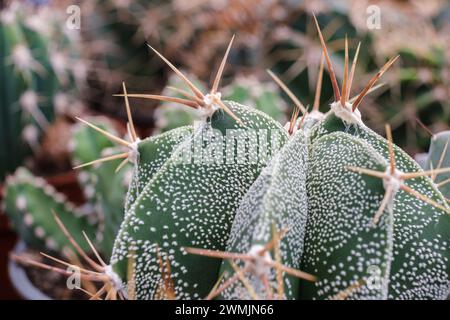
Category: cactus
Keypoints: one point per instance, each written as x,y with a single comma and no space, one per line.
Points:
103,187
439,157
190,201
335,211
244,90
29,202
35,78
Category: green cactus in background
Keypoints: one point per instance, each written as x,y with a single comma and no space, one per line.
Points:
104,186
439,157
29,203
38,78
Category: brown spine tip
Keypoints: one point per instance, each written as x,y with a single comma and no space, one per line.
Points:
319,84
221,68
344,83
337,94
352,71
372,81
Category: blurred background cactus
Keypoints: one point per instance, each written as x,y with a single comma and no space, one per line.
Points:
41,74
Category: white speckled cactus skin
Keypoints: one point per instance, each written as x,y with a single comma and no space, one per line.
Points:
188,205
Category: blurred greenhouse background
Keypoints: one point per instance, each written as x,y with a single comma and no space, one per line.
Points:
67,58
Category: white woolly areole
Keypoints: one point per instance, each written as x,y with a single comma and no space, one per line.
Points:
393,180
316,115
210,104
133,154
346,114
114,277
259,266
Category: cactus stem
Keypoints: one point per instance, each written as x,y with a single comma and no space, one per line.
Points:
132,130
319,84
337,94
290,94
345,81
372,81
105,159
352,71
105,133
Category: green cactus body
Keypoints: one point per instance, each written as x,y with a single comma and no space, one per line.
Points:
29,202
278,200
439,156
419,263
190,204
153,153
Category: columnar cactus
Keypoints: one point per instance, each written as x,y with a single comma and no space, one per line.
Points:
36,78
29,203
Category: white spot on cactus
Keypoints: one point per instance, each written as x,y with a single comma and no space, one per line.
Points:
28,219
39,232
21,203
346,114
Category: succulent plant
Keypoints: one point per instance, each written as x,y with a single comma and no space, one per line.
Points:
29,201
323,208
36,75
245,90
439,157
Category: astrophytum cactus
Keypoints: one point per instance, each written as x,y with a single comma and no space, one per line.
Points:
375,220
372,225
